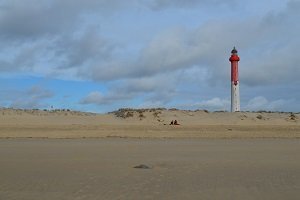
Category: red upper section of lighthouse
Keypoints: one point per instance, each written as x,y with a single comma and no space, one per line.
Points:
234,58
234,66
234,55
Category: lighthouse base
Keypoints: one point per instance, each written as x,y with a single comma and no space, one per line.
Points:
235,97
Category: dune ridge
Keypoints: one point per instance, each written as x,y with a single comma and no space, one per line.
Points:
147,123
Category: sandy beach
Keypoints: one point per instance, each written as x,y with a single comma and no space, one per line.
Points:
48,169
149,123
136,154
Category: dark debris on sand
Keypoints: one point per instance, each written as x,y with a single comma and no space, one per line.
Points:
142,166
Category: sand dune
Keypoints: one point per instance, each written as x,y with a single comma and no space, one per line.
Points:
149,123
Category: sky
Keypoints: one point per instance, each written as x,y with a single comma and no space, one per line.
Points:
102,55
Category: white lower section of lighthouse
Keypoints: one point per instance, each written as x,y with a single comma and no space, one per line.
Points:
235,97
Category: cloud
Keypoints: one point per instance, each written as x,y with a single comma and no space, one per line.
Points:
64,42
179,60
262,103
160,88
86,49
5,66
163,4
29,19
36,92
33,97
20,21
214,104
48,37
172,50
98,98
93,98
253,104
264,43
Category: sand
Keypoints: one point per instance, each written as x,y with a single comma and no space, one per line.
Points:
71,155
84,169
149,123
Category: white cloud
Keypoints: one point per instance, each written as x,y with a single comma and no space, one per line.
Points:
98,98
152,104
57,39
262,103
265,46
214,104
163,4
33,97
93,98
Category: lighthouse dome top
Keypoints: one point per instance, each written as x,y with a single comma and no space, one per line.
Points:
234,51
234,56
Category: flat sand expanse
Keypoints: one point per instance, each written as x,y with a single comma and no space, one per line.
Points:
147,123
88,169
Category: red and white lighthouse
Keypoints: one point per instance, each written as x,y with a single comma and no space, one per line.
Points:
235,91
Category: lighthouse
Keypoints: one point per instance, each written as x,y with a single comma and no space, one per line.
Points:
235,91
